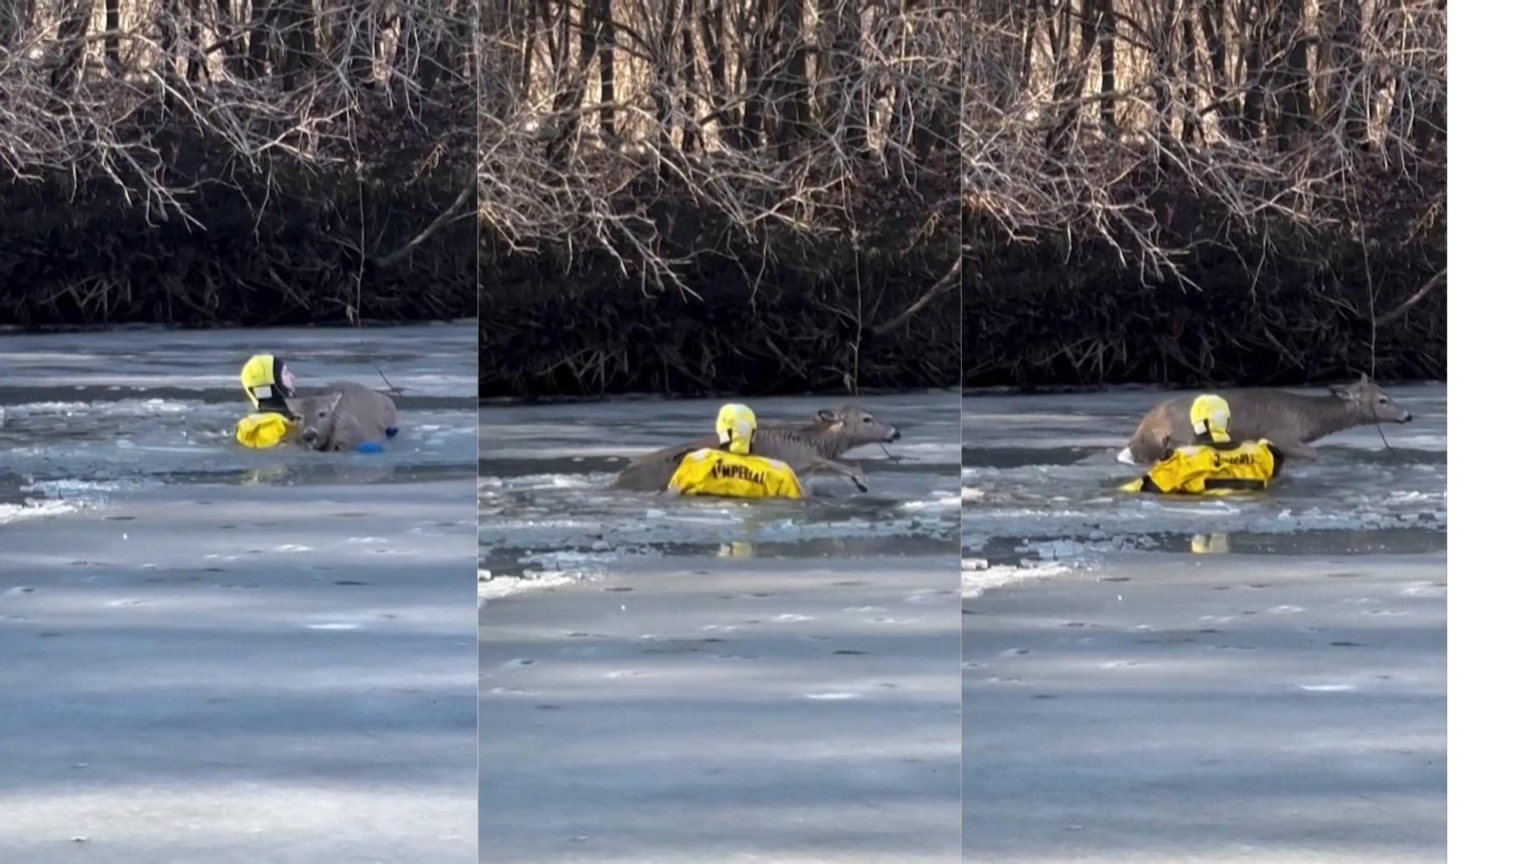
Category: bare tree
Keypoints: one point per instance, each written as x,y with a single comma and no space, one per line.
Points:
161,102
779,118
1271,111
272,79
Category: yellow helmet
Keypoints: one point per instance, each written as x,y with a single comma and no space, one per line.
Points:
735,425
1210,414
266,380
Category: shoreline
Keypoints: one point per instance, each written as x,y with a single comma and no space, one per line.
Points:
1165,387
658,396
172,327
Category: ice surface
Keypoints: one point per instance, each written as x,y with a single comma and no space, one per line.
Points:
1254,678
688,710
218,654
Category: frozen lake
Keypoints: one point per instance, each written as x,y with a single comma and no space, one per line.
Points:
217,653
545,513
717,681
1255,678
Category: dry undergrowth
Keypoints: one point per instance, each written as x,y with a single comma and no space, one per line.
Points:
93,89
1081,115
774,118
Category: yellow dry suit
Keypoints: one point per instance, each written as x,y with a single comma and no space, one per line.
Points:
1211,469
1214,464
268,384
734,472
728,475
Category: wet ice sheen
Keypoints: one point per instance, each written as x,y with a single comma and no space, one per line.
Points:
1043,468
87,413
544,508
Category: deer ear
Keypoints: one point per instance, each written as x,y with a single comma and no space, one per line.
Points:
335,401
826,414
1341,390
295,406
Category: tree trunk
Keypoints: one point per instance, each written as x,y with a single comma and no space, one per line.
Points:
843,71
1068,76
110,46
74,21
750,134
691,140
462,54
1213,24
566,109
1429,120
295,21
530,45
791,88
605,44
1162,80
229,44
713,33
197,62
358,32
261,37
1099,31
666,76
1031,27
1252,25
166,24
1191,120
1348,93
1293,78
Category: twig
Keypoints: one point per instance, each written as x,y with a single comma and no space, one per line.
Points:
441,220
1402,309
388,384
948,281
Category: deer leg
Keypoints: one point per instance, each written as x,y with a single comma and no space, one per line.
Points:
847,469
1295,449
645,476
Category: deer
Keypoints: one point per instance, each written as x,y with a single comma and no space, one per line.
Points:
343,418
805,448
1289,421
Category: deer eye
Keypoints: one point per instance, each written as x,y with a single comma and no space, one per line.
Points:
1381,400
869,419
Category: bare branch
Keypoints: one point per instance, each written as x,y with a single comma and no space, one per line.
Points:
947,282
1402,309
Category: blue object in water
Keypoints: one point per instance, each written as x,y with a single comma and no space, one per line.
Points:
391,431
369,447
